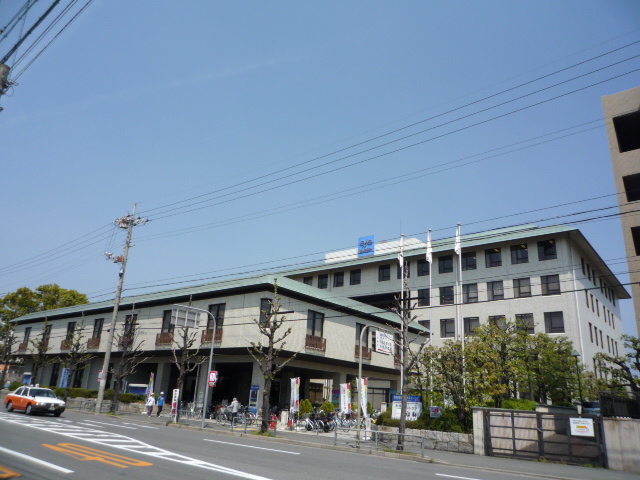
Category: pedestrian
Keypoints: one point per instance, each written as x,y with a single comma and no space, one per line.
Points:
160,404
235,405
151,401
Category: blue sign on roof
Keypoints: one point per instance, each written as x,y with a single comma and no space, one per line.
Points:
366,246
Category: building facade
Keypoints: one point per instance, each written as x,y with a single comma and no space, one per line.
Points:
622,122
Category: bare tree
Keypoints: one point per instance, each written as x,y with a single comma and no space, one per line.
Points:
76,357
266,353
132,352
8,339
185,357
409,357
39,349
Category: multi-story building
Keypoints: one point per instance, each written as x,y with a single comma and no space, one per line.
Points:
622,121
549,279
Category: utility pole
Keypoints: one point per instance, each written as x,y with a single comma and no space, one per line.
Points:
127,222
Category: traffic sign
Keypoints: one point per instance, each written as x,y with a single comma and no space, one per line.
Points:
213,378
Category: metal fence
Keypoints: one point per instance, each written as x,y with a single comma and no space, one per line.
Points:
620,404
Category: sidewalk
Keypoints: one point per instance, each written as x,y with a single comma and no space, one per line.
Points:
347,444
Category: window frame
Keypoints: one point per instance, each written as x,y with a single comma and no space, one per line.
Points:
543,254
424,297
308,280
445,264
493,288
220,309
384,273
445,332
315,323
424,267
355,276
518,287
490,257
466,297
323,281
546,283
265,309
468,327
338,279
468,261
444,294
519,254
549,318
525,322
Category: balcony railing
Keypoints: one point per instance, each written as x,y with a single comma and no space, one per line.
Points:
316,343
66,344
93,343
22,347
164,338
366,352
206,335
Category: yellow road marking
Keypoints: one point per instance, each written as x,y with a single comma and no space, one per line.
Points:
6,473
91,454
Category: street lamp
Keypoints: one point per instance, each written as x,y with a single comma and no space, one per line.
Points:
213,337
576,355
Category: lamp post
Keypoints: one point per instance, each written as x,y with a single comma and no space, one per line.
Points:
213,337
576,355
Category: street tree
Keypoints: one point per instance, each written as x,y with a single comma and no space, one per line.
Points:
625,368
268,349
185,357
7,341
76,356
39,351
45,297
131,356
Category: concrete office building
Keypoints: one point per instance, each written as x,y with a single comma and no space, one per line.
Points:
549,278
622,121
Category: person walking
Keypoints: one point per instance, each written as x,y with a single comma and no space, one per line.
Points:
151,401
235,406
160,402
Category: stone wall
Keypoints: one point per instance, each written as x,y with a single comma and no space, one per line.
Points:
445,441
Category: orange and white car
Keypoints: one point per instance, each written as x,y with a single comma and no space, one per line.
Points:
34,400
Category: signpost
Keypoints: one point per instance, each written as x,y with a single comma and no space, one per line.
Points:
174,404
581,427
384,342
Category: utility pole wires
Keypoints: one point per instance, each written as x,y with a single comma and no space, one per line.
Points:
126,223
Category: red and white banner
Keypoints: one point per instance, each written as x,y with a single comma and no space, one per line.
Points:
295,395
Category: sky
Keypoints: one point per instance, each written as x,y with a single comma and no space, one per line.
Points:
257,136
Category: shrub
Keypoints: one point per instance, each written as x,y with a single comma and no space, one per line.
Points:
130,398
327,407
447,422
14,386
305,406
518,404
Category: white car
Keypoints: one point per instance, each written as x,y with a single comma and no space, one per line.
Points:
34,400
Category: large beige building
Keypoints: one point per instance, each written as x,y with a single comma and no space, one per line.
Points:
622,120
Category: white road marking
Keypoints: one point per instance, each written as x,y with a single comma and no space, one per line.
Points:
251,446
454,476
116,440
91,423
36,460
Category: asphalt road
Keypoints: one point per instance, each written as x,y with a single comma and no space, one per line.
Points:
78,446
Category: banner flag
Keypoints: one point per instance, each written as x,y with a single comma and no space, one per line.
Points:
456,246
429,249
345,398
150,386
295,395
363,396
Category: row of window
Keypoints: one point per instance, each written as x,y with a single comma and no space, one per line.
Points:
595,308
550,285
493,258
595,332
553,323
590,273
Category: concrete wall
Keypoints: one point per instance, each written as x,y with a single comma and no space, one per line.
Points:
444,441
622,442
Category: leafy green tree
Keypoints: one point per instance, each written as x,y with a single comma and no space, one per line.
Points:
624,369
46,297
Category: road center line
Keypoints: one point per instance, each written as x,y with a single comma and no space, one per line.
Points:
36,460
454,476
251,446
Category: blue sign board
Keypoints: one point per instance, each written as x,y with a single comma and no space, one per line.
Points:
366,246
410,398
64,378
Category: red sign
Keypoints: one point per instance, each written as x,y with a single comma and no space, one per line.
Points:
213,378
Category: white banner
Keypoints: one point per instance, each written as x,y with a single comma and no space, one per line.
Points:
384,342
295,395
345,398
363,396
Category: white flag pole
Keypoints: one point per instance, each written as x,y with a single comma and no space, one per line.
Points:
429,261
401,260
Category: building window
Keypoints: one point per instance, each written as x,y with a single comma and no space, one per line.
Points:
547,250
597,307
265,310
97,327
470,293
495,290
593,308
519,254
627,129
468,260
447,328
469,324
423,297
338,279
586,297
384,273
426,324
524,321
423,267
521,287
71,328
217,311
601,340
315,323
596,332
323,280
355,277
608,344
130,322
593,278
582,262
445,264
407,269
499,321
588,271
553,322
308,280
27,334
492,257
446,295
166,322
591,332
550,284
